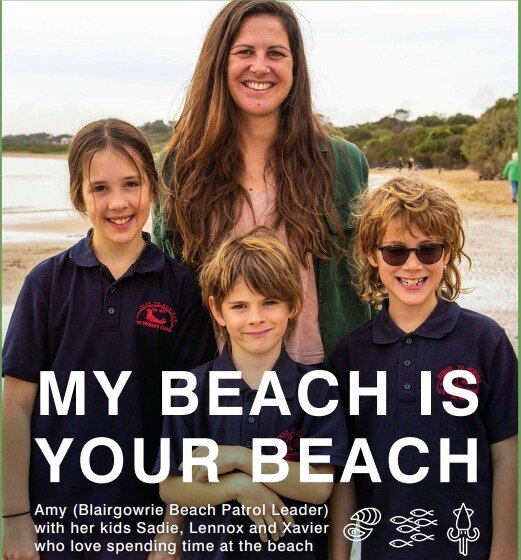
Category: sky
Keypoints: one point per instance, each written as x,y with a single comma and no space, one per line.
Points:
68,63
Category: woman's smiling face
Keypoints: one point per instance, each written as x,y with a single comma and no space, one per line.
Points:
260,66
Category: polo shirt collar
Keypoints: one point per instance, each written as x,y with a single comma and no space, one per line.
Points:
440,322
285,368
151,259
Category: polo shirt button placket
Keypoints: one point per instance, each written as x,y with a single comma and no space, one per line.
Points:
406,373
250,427
112,307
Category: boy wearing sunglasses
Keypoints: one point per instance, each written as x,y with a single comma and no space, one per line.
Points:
450,490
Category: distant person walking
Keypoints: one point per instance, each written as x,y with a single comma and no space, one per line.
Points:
410,163
511,172
400,164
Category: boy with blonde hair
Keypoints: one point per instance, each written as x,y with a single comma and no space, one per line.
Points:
449,386
253,289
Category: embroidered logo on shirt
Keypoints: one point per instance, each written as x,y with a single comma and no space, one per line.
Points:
459,381
291,438
157,316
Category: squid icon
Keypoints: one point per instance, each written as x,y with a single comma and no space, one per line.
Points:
463,532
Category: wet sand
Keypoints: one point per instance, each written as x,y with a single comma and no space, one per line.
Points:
19,257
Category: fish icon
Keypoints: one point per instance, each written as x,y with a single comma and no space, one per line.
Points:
418,512
425,522
397,519
399,543
412,526
420,537
407,529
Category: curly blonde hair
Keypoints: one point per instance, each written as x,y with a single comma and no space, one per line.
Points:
413,202
263,262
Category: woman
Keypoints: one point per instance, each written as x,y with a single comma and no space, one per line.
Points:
248,150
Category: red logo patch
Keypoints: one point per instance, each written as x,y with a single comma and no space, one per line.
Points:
157,316
459,381
292,439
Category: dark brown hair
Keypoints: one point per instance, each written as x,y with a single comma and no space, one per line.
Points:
263,262
207,161
121,137
413,202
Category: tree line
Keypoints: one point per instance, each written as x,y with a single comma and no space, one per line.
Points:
453,142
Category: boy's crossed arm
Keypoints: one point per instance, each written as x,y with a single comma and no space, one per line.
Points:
239,458
234,463
232,486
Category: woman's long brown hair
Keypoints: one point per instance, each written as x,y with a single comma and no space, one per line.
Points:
207,163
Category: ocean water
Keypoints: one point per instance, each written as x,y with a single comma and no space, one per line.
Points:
33,185
33,190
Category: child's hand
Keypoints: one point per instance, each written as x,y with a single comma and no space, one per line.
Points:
19,539
228,460
255,495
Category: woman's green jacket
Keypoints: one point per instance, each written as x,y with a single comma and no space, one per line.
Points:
340,310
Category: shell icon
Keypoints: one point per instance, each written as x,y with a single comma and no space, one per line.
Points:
364,521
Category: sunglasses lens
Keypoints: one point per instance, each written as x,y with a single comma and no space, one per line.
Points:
429,254
395,256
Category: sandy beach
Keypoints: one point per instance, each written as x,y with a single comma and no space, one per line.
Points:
491,243
28,154
20,257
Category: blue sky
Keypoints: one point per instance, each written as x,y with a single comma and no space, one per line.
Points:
66,63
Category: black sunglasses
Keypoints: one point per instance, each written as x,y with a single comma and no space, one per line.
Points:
396,255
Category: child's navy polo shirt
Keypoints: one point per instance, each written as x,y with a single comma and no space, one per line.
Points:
72,315
241,430
450,339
